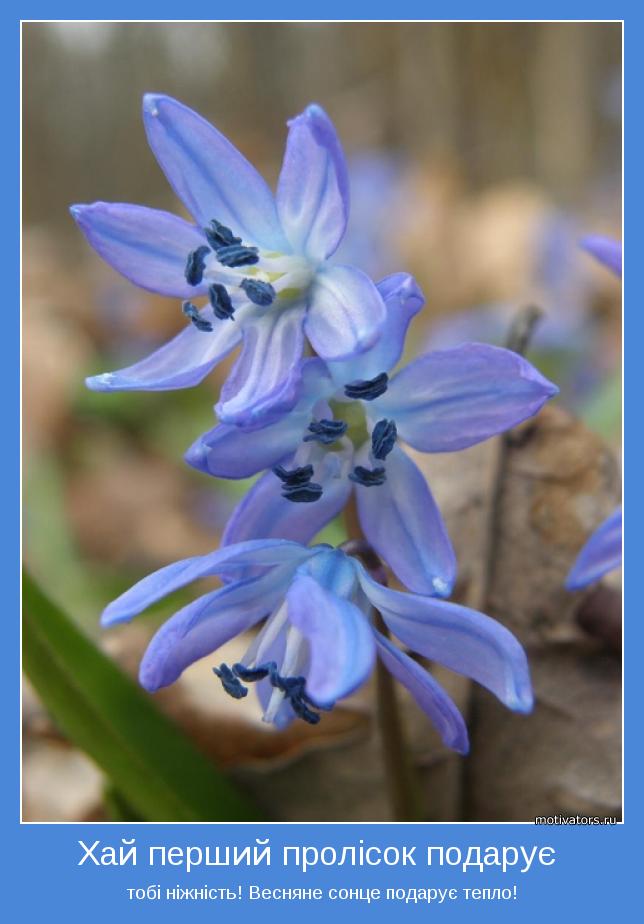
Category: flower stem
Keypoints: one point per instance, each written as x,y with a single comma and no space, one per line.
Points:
402,784
522,328
518,338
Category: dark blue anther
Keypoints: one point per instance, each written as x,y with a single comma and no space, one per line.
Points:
326,431
294,477
229,682
367,477
302,711
251,674
219,235
367,389
293,688
220,301
195,265
192,312
302,494
260,293
297,485
237,255
383,438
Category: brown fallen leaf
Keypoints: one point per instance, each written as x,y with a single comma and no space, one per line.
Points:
561,481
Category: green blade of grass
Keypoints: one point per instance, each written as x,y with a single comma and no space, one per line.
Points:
147,758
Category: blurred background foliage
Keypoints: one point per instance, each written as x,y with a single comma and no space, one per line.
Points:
479,154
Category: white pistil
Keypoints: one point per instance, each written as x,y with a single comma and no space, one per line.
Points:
310,453
261,644
290,667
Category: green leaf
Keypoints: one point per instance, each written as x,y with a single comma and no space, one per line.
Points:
116,807
147,758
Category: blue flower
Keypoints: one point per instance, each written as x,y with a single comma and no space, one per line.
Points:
601,554
261,261
606,250
378,191
319,643
344,433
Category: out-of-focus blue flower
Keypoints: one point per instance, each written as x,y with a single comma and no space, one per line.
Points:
343,433
603,551
556,281
262,261
606,250
319,642
566,336
601,554
377,192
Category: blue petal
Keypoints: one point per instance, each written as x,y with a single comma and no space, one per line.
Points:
313,188
341,643
147,246
606,250
462,639
332,569
429,694
402,522
451,399
601,554
201,627
232,452
403,299
265,380
264,513
181,363
209,174
345,314
262,553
